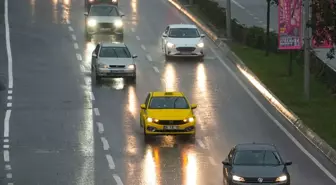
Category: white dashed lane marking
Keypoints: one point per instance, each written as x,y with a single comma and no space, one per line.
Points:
79,57
106,146
70,28
9,97
92,96
133,30
200,143
9,104
137,37
212,161
149,58
76,46
6,155
6,146
110,162
10,92
100,127
156,69
73,37
96,111
117,179
143,47
8,167
9,175
82,68
6,123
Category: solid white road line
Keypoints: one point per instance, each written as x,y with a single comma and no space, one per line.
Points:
100,127
289,135
117,179
239,5
137,37
143,47
6,123
75,45
110,161
156,69
106,146
6,155
70,28
96,111
8,47
149,58
200,143
79,56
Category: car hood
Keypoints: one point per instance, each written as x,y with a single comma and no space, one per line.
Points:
169,114
104,19
187,42
258,171
116,61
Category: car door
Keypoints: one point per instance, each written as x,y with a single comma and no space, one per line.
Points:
95,55
143,111
164,38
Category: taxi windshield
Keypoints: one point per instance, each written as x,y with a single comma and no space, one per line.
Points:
104,11
168,103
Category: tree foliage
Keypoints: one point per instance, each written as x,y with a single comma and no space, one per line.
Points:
323,21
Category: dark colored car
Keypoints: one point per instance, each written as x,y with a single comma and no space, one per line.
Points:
88,3
255,163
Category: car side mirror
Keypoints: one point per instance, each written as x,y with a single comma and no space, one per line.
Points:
226,163
202,35
94,55
122,15
193,106
86,14
164,35
288,163
143,106
134,56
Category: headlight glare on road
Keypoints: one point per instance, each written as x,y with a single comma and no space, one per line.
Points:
132,66
170,45
200,45
91,1
103,66
92,23
237,178
114,1
118,23
281,178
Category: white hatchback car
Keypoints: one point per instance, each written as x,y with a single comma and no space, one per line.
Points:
182,40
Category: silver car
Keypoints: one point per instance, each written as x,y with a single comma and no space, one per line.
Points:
113,60
102,19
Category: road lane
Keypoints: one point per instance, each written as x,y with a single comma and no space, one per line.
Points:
53,140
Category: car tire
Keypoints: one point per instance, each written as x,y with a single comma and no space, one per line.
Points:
147,137
132,80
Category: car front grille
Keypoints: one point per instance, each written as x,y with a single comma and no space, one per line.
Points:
106,25
255,180
171,122
185,49
117,66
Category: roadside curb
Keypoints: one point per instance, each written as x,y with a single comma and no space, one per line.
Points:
296,122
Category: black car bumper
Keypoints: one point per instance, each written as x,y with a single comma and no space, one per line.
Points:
242,183
104,28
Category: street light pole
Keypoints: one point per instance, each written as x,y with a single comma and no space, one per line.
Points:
306,51
228,19
268,26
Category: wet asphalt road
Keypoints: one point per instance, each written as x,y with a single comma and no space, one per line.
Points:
60,134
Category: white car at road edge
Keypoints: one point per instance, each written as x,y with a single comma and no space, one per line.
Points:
182,40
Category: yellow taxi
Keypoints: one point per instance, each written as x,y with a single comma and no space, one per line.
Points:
167,113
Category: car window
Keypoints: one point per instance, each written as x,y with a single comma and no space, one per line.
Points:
168,103
183,33
256,157
104,11
147,99
114,52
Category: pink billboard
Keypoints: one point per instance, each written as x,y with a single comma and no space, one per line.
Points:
289,24
327,41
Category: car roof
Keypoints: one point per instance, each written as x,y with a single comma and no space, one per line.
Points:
163,93
113,44
256,146
182,26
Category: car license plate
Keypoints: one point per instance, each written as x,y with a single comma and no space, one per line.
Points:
185,53
116,71
170,127
105,29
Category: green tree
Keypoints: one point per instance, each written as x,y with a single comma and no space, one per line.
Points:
323,21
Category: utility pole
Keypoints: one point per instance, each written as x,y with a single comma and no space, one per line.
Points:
228,19
268,26
306,51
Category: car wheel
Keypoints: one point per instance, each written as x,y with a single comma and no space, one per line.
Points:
132,79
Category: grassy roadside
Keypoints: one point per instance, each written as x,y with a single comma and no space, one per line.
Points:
319,113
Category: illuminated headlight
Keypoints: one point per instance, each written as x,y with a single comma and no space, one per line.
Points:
237,178
132,66
91,1
103,66
281,178
92,23
114,1
152,120
118,23
191,119
170,45
200,45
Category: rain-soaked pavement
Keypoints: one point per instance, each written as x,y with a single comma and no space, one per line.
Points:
61,134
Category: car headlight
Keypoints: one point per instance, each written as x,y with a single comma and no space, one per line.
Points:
118,23
103,66
91,1
114,1
191,119
132,66
281,178
92,23
237,178
152,120
200,45
170,45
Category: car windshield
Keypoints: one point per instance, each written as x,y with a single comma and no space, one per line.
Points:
168,103
114,52
104,11
184,33
256,157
